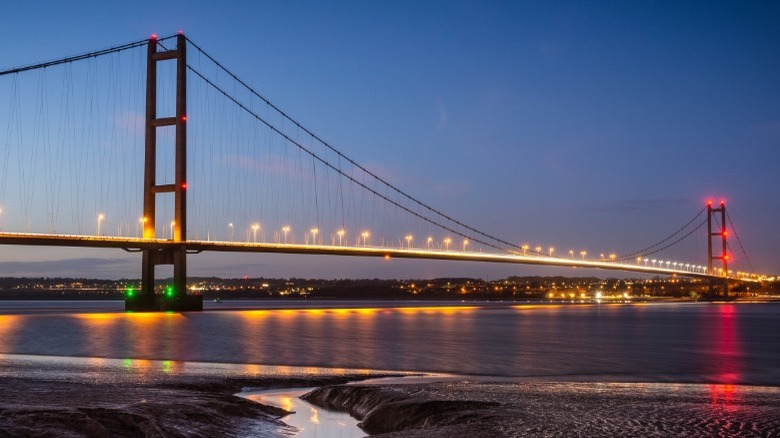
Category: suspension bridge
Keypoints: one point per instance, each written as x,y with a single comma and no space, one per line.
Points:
98,148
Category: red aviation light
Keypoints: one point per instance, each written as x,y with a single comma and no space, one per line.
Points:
154,37
726,257
725,233
180,32
722,202
709,202
184,185
184,118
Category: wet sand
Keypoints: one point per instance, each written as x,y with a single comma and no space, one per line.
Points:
70,397
64,397
480,408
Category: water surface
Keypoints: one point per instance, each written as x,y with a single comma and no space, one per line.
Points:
686,342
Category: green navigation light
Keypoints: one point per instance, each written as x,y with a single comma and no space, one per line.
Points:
169,291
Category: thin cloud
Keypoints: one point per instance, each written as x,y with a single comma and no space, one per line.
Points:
452,188
629,205
78,267
442,114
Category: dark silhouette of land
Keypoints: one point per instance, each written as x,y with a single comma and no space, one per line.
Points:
508,289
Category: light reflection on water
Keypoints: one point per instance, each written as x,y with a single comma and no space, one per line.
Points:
310,420
718,343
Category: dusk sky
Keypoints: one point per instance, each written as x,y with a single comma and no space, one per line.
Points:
597,126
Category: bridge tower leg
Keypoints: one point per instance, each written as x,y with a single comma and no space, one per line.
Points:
723,257
172,297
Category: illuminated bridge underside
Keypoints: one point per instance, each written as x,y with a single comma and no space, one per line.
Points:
196,246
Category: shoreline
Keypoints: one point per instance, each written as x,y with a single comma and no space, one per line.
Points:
22,307
89,396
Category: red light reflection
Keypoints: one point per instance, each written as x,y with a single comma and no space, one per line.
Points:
725,397
727,351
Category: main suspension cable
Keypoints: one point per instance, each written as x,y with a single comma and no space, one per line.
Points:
87,55
334,168
661,242
734,229
348,159
678,240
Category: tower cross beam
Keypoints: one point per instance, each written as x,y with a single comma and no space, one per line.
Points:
174,297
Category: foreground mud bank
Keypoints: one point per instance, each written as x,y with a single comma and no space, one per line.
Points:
64,397
40,408
483,409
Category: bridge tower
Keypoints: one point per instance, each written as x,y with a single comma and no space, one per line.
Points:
723,257
173,297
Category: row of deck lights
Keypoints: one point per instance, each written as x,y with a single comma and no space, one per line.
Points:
674,265
363,237
409,238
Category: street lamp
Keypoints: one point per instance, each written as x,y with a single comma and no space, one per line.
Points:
447,243
100,218
646,260
583,254
341,234
551,251
365,235
230,225
409,238
428,243
285,230
612,257
465,242
314,232
255,227
538,250
173,223
524,248
571,253
1,218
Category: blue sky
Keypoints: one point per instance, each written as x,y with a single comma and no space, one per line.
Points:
603,126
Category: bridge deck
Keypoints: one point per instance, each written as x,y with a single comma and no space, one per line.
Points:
137,244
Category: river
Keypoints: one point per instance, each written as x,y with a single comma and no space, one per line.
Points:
670,342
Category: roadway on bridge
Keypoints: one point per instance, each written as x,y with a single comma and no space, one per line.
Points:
196,246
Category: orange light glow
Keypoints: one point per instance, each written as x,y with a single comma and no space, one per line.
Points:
8,324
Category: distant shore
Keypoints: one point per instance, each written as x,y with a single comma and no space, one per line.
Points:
528,288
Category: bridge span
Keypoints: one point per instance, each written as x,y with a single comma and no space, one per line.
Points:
133,244
249,162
